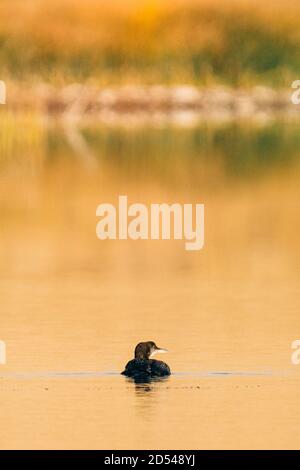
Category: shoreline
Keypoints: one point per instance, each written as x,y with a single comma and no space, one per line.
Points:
179,102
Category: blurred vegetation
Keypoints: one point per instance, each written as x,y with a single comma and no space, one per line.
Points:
206,152
239,43
244,149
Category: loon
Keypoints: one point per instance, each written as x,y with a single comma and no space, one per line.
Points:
142,367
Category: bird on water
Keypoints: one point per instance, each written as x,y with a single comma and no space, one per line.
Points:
142,367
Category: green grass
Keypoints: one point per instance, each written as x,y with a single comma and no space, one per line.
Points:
185,42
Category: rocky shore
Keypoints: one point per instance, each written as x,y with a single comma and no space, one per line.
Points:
159,102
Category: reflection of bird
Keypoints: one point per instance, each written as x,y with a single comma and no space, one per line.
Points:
142,368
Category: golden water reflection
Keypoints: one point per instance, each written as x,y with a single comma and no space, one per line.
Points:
72,303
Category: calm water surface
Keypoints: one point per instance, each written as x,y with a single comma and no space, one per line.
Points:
73,308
